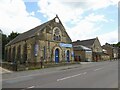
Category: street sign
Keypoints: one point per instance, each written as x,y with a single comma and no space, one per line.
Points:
65,45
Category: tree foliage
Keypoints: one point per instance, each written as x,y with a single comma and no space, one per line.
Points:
12,36
6,39
4,42
116,45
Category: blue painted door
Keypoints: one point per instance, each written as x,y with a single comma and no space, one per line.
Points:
57,55
68,58
79,58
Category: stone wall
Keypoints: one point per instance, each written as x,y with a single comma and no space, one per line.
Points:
96,46
88,55
109,50
80,55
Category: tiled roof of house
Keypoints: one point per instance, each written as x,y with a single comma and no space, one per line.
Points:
28,34
87,43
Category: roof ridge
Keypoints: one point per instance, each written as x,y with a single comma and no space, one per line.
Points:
88,39
83,40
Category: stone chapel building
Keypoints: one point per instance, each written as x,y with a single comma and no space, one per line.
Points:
48,42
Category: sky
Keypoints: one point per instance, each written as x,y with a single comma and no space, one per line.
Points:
82,19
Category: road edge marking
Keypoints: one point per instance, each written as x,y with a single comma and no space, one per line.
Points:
98,69
71,76
31,87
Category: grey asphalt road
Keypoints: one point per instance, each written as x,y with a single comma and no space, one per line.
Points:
93,75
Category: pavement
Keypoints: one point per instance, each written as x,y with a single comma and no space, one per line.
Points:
2,70
13,74
92,75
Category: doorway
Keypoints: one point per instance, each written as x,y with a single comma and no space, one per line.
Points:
68,56
57,55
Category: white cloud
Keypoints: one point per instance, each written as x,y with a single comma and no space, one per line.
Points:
72,8
32,13
87,27
98,4
14,17
111,37
52,7
83,33
95,18
92,4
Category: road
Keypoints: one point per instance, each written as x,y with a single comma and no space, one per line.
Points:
93,75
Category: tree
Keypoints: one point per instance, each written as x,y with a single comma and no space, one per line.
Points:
12,35
118,44
4,42
6,39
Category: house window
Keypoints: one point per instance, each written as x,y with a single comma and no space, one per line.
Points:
19,53
24,53
59,38
13,54
9,55
54,37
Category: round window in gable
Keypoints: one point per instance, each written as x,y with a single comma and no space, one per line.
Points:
56,20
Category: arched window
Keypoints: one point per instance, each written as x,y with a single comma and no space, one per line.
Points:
19,53
24,53
6,55
54,37
9,55
59,38
13,54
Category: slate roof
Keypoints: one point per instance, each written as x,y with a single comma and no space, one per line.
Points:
81,47
28,34
87,43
